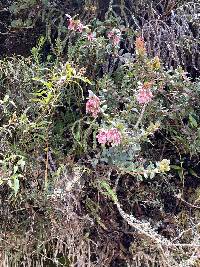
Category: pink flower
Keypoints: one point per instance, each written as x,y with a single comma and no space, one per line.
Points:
102,136
112,136
110,34
144,96
93,105
116,40
91,36
80,27
72,25
115,36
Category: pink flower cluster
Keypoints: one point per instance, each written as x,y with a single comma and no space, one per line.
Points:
115,36
145,95
74,25
112,136
91,36
93,105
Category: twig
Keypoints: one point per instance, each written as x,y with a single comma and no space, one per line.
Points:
46,169
146,230
187,203
141,116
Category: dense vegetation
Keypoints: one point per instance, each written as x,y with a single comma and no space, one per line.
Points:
100,133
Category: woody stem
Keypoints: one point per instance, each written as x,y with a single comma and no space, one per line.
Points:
141,116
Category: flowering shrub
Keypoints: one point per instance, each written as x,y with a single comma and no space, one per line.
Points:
129,98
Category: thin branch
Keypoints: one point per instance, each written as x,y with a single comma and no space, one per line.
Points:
141,116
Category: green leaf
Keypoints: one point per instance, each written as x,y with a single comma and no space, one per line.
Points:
16,185
109,190
48,98
6,98
16,23
21,163
15,169
40,93
104,107
69,71
191,171
84,79
152,175
193,122
176,167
